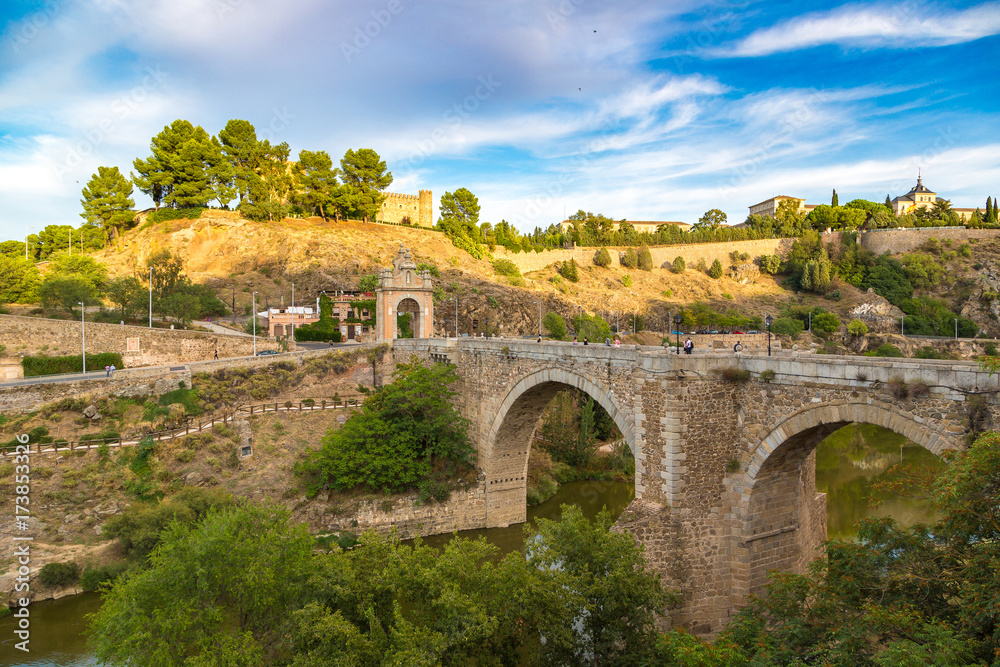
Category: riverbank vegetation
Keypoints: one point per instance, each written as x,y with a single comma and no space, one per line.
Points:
263,594
577,440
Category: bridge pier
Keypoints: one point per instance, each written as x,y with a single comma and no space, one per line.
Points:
725,465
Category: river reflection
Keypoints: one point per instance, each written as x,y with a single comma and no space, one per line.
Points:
855,458
56,634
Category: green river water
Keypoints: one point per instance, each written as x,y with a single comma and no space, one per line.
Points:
848,464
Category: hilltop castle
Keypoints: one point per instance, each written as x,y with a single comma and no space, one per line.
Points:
418,210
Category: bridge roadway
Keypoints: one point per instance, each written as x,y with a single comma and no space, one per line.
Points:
725,468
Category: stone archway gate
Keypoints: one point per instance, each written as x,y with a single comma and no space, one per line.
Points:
725,470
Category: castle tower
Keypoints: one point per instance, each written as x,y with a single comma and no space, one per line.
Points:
426,218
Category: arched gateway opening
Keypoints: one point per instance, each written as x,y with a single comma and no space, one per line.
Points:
784,519
507,444
408,319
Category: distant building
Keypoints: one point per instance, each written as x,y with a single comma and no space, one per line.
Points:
353,320
641,226
920,196
769,207
418,210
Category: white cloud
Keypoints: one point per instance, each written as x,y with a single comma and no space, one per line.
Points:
904,25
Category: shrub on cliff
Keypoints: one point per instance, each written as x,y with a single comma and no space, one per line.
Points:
406,432
568,271
603,257
679,264
629,259
716,270
645,259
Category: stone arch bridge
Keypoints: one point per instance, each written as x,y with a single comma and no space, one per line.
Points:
711,529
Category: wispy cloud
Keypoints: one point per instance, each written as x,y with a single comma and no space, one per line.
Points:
905,25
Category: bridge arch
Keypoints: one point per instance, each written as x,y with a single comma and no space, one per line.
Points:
507,442
784,522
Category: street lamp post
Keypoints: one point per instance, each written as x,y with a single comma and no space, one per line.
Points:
83,337
956,328
253,314
234,305
150,297
539,319
293,313
902,325
677,330
768,320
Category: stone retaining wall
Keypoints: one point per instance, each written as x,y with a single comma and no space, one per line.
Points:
133,382
905,240
149,347
663,256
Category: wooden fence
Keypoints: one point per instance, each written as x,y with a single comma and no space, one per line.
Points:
304,405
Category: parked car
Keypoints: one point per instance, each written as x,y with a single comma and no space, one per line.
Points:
264,352
753,331
702,331
739,332
726,331
675,332
713,331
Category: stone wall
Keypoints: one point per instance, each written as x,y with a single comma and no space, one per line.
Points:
150,347
465,510
136,382
663,256
10,369
905,240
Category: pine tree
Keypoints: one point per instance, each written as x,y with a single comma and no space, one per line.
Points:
365,176
888,202
315,182
107,201
603,257
833,200
645,258
716,270
629,259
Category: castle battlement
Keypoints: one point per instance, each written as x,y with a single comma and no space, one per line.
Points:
417,209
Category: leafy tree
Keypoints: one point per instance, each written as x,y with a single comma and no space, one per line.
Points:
770,264
62,291
711,219
460,214
629,259
716,270
315,182
18,279
679,264
922,270
107,201
888,280
253,570
368,283
260,178
80,266
128,294
555,325
606,576
365,177
645,258
166,271
591,327
568,270
406,432
603,257
826,322
857,328
787,326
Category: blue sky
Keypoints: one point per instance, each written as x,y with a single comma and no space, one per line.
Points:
639,110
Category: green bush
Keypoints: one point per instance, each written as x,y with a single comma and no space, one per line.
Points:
857,328
555,325
928,352
505,267
603,257
645,259
770,264
629,259
990,350
679,264
885,350
43,365
716,270
93,577
627,280
787,326
826,322
57,575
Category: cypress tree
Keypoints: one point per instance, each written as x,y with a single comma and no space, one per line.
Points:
995,218
888,202
716,270
989,208
834,201
645,258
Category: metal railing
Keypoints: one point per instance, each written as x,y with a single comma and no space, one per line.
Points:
303,405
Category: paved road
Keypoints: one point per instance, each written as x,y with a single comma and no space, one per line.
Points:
49,379
309,345
216,328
